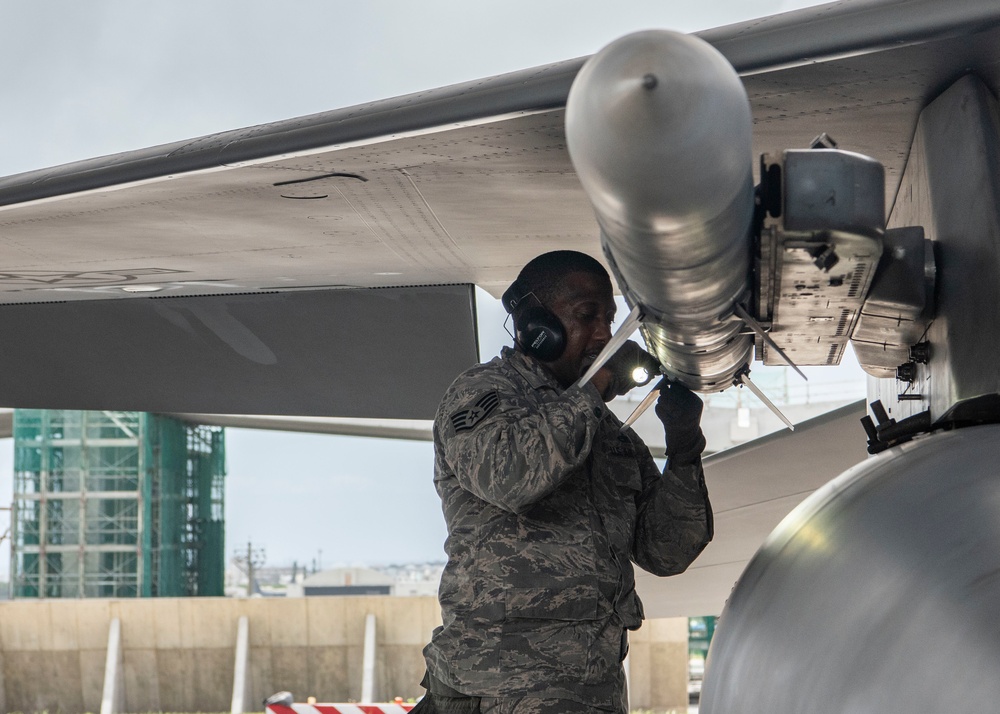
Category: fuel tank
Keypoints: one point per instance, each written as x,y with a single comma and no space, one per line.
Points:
879,593
658,127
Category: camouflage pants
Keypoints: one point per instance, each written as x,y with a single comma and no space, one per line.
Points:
506,705
442,699
534,705
436,704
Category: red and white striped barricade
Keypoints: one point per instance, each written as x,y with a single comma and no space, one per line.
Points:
389,708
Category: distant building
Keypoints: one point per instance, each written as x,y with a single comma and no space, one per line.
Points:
347,581
415,579
116,504
416,588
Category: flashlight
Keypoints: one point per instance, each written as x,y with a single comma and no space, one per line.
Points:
641,375
646,367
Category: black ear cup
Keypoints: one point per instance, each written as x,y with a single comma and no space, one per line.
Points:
510,297
538,331
541,334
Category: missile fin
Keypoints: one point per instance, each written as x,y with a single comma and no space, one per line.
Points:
744,379
645,404
756,327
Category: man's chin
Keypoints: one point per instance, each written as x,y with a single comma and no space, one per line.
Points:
586,364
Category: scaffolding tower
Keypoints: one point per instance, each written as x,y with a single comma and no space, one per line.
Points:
116,504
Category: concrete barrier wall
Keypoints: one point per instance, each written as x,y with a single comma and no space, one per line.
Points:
658,664
179,652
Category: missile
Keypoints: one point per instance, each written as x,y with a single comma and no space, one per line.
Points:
658,127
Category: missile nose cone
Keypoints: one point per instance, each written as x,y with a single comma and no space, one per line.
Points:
658,126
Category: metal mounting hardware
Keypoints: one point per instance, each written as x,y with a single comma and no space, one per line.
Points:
823,141
920,353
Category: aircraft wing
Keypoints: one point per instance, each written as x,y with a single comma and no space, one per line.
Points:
753,487
323,265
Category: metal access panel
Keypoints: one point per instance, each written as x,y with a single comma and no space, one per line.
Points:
900,306
819,248
374,352
951,188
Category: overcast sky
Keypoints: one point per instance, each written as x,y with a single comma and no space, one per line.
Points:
85,79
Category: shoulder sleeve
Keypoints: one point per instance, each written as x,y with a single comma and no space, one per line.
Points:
510,446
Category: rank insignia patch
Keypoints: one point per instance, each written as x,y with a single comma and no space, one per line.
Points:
467,418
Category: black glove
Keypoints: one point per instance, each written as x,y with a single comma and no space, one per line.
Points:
680,411
624,362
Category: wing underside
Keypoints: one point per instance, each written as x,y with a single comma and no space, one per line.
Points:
454,186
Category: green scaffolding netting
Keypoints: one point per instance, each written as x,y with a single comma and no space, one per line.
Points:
116,504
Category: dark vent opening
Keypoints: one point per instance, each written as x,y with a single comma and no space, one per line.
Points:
842,323
859,274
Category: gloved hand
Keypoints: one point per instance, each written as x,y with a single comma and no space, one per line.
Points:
620,367
680,411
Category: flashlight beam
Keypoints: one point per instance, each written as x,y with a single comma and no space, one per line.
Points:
617,340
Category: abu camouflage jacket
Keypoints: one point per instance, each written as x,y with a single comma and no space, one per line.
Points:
546,504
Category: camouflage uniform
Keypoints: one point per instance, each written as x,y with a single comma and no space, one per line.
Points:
546,503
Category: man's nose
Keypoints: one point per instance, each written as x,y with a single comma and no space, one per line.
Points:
603,332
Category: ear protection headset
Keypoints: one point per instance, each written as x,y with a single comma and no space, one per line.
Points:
537,330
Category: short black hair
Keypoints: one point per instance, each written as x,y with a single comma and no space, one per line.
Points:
543,276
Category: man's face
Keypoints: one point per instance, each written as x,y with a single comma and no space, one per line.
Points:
585,305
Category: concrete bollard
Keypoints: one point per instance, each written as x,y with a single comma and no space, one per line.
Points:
368,660
241,674
113,698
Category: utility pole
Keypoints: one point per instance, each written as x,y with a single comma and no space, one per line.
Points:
249,562
4,536
6,533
